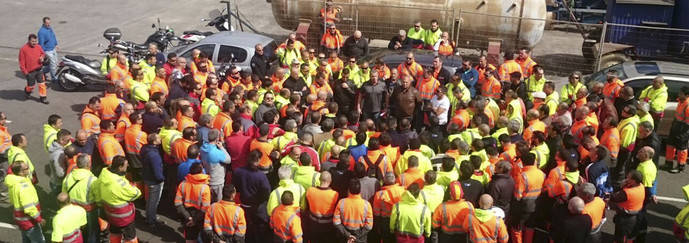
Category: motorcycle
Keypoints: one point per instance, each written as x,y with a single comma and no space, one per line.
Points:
221,20
163,37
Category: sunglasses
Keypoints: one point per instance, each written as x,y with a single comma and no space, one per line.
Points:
409,58
575,77
417,26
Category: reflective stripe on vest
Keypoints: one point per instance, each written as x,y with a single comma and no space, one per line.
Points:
347,222
453,229
397,223
72,236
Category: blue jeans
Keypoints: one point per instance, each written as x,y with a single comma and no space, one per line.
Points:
33,235
52,67
154,193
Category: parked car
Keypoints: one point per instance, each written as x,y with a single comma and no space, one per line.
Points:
221,47
393,58
640,74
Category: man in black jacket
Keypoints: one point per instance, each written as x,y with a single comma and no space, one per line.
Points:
344,94
646,137
442,75
400,42
501,186
355,46
260,64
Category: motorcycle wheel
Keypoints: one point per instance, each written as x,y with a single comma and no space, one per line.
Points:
64,83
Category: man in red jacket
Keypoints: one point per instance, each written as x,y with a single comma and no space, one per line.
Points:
31,58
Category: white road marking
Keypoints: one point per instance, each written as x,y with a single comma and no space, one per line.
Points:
671,199
8,226
8,59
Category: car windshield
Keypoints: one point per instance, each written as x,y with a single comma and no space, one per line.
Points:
602,75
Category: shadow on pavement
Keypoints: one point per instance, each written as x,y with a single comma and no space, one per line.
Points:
165,232
19,74
12,94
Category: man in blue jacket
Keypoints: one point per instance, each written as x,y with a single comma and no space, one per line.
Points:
48,41
153,177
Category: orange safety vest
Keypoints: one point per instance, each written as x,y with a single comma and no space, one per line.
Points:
5,139
392,153
265,148
118,73
414,70
527,66
90,122
535,125
134,139
109,104
329,15
682,111
185,122
193,68
159,85
592,119
315,88
223,122
461,118
383,71
331,41
109,147
377,159
508,67
493,230
611,140
427,88
385,199
286,223
412,175
200,77
530,184
482,72
322,202
445,49
612,89
635,199
179,149
225,219
576,129
450,216
354,213
491,88
122,124
335,64
596,210
194,192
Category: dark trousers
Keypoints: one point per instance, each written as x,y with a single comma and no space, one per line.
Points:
381,231
257,230
318,232
455,238
624,227
622,166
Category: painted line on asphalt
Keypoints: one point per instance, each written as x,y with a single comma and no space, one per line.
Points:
7,226
671,199
8,59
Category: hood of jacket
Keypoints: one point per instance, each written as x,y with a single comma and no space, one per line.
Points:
80,174
12,180
483,215
304,171
55,147
199,178
408,198
107,177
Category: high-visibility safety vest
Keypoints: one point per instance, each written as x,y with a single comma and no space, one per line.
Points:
5,139
281,142
483,226
332,41
194,192
412,33
462,118
635,199
657,98
121,126
376,160
561,189
109,147
77,184
507,68
392,153
159,85
432,195
410,176
336,64
533,85
681,218
534,125
424,162
208,106
321,204
185,122
148,70
134,139
179,149
542,153
414,70
491,88
140,91
168,136
109,104
90,122
286,185
15,153
628,130
526,65
612,89
385,199
67,224
430,37
449,217
117,195
307,176
223,122
529,184
49,135
265,148
568,93
682,111
611,140
225,219
596,210
427,88
200,77
286,224
25,206
353,213
410,217
649,171
552,101
445,49
118,72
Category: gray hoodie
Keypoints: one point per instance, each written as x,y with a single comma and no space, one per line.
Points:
57,171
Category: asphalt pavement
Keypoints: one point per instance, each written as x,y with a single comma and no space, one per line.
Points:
79,26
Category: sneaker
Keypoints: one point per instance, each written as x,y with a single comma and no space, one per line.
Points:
44,100
681,168
27,95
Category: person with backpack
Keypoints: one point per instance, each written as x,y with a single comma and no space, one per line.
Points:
375,159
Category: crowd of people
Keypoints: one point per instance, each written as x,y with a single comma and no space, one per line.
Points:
318,149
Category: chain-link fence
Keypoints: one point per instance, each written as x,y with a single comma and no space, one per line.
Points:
560,47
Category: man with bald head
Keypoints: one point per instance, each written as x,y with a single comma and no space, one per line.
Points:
355,46
83,143
576,225
320,206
